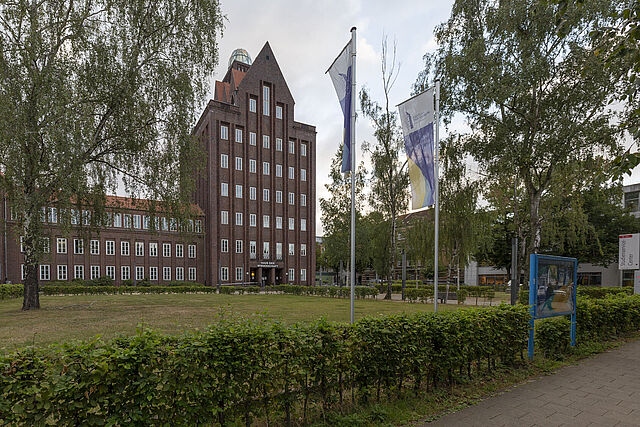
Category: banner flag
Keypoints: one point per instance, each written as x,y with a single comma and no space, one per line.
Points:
340,72
417,118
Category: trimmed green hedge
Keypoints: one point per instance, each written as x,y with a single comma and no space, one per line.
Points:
583,291
239,371
11,291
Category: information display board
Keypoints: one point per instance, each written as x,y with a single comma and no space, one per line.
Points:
629,251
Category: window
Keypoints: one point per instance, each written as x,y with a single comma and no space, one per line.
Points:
239,274
278,144
303,224
291,224
265,221
303,200
153,249
192,274
95,272
252,249
252,105
111,272
265,250
265,100
238,246
22,272
224,274
139,248
46,245
146,220
279,171
61,245
238,163
252,166
265,194
224,132
45,272
278,196
110,247
239,135
303,275
224,217
125,272
279,250
278,112
198,226
252,193
117,220
224,161
136,222
266,142
166,250
589,279
279,222
224,245
153,273
94,247
252,138
224,189
292,147
192,251
180,273
303,174
124,248
291,172
631,200
238,191
78,272
21,244
139,273
265,168
86,217
292,249
238,218
75,217
166,273
62,272
14,214
52,215
303,249
292,275
78,246
303,149
252,220
292,199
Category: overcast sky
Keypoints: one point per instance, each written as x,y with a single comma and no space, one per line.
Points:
306,36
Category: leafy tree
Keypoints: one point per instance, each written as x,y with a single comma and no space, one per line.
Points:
95,94
378,243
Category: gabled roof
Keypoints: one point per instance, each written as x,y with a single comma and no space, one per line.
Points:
141,204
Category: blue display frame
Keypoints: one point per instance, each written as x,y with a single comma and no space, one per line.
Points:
533,296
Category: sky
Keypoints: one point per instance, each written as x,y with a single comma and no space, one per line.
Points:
306,36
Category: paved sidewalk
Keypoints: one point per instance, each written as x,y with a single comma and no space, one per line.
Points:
602,391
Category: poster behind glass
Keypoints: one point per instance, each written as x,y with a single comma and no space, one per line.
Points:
555,287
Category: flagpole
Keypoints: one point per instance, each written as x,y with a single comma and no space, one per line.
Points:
352,151
437,194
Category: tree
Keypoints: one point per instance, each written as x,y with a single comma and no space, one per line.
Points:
537,102
390,179
378,243
96,95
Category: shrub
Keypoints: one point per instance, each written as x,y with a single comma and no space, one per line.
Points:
11,291
552,336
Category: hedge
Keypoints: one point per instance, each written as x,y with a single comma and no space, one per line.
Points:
588,292
11,291
238,371
397,288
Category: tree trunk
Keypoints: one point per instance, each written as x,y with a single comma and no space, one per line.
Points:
535,225
31,295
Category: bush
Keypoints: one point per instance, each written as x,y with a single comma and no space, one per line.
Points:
583,291
553,336
11,291
101,281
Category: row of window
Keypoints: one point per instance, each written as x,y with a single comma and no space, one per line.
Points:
266,140
110,271
266,167
224,192
291,275
110,248
224,247
266,221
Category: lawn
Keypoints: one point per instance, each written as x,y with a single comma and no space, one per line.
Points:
63,318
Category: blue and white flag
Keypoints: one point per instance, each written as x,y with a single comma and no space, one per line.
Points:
341,75
417,117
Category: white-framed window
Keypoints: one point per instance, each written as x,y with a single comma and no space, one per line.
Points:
110,247
46,245
224,245
180,273
303,200
252,166
303,249
292,149
52,215
224,217
224,161
279,112
146,222
253,105
224,132
198,226
265,194
126,221
124,248
303,149
22,272
224,189
75,217
139,273
139,248
94,247
278,196
292,249
292,198
292,224
239,135
303,224
266,141
78,272
125,272
179,250
238,246
278,171
279,250
78,246
303,275
192,274
303,174
86,217
239,274
153,249
279,222
265,221
278,144
21,244
117,220
45,272
111,271
238,218
238,163
224,274
95,272
62,272
265,168
153,273
252,220
265,250
166,250
265,100
292,172
252,193
61,245
166,273
238,191
292,275
252,138
137,222
192,251
252,249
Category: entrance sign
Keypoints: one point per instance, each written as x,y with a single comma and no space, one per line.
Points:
629,251
553,284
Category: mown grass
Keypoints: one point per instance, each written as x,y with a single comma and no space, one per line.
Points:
63,318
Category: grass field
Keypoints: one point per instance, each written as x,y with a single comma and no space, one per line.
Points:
63,318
